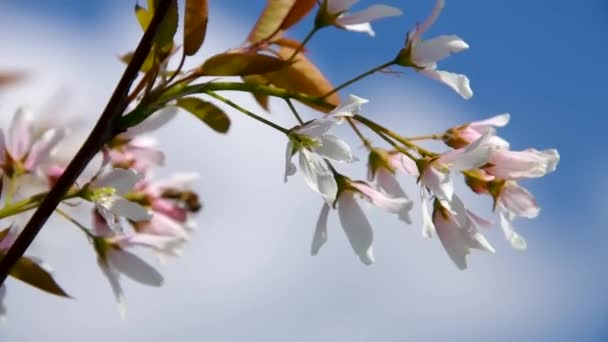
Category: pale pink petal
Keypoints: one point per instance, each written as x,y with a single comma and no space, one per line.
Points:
167,245
381,200
113,278
320,236
20,134
152,123
422,28
2,149
162,225
127,209
518,201
404,164
335,149
530,163
459,83
480,221
471,156
290,168
123,180
439,183
170,209
357,227
429,52
516,240
339,6
428,227
41,149
500,120
388,184
134,267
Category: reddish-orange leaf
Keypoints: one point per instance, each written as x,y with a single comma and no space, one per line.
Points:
298,11
241,64
271,19
195,25
304,77
262,100
8,78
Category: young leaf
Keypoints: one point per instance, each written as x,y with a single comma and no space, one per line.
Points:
148,63
270,20
207,112
303,77
240,64
29,271
298,11
195,25
168,28
143,16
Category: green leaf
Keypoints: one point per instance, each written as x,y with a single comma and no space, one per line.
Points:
168,28
207,112
195,25
148,62
31,273
143,16
262,100
241,64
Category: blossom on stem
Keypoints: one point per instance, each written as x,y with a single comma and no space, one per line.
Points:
313,144
457,231
107,193
382,166
352,218
423,55
334,12
463,135
24,150
132,149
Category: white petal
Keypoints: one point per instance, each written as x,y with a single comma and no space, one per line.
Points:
134,267
459,83
363,28
123,180
439,183
473,155
388,184
41,149
290,168
335,149
2,307
339,6
113,279
351,107
127,209
316,128
317,175
516,240
167,245
20,134
152,123
428,227
439,4
113,222
357,227
369,14
500,120
433,50
320,236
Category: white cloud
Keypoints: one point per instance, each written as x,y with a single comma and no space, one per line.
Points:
247,274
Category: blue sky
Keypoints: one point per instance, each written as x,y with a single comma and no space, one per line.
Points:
543,61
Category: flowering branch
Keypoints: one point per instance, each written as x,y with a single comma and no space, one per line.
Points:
103,131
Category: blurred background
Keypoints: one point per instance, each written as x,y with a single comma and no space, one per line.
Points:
247,274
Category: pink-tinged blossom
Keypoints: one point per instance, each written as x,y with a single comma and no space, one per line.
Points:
512,202
353,220
335,11
461,136
171,202
313,144
23,150
106,192
115,261
457,231
424,54
132,149
529,163
382,166
436,175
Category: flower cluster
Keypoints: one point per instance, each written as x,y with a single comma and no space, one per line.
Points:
128,206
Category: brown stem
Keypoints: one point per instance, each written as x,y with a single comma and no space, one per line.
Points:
104,130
